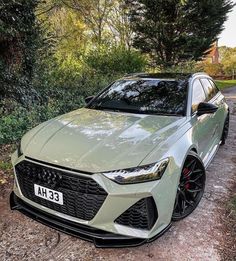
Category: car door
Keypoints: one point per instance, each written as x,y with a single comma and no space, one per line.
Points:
222,109
213,96
202,125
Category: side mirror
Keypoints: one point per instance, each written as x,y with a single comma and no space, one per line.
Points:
88,99
206,108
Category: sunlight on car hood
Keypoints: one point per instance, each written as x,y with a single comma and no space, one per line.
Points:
95,141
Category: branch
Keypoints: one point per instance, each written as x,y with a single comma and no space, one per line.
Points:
46,11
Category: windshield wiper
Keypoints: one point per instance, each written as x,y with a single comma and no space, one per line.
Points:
105,108
128,110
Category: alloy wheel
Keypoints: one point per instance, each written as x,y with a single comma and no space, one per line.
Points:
191,187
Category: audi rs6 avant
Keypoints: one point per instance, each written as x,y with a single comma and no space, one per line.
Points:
118,171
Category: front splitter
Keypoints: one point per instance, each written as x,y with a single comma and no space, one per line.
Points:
99,237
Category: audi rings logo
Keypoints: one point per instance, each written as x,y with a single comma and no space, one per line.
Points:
48,177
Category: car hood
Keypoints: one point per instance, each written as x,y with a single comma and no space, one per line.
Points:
95,141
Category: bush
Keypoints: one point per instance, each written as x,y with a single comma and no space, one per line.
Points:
211,68
115,61
60,85
53,102
70,75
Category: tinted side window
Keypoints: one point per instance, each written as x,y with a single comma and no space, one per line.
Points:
210,90
214,86
198,95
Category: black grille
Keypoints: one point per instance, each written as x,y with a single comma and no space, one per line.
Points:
82,197
141,215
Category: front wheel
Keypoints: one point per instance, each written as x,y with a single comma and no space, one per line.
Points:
191,187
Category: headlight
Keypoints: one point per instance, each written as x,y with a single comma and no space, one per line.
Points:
19,150
139,174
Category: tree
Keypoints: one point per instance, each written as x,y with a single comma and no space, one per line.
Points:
119,24
94,13
18,32
213,69
18,44
175,31
228,59
64,29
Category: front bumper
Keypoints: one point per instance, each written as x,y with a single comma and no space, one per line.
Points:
102,229
100,238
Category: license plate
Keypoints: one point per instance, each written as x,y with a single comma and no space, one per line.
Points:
48,194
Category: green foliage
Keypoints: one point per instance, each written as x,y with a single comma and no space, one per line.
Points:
18,45
182,67
19,30
211,68
228,59
61,79
115,61
87,74
15,14
172,32
72,75
16,87
53,102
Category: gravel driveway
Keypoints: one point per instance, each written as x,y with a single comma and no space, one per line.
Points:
201,236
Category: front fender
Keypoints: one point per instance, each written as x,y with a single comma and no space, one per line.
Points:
177,154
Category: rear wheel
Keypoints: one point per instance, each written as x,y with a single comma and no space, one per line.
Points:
191,187
225,130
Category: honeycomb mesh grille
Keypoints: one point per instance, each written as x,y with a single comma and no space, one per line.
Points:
142,215
82,197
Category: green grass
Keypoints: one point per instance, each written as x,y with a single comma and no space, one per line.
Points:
223,84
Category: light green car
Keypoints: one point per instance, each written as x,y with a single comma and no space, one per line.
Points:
118,171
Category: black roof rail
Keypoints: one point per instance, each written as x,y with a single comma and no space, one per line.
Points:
159,75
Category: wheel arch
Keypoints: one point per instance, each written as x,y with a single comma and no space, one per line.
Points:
177,153
192,148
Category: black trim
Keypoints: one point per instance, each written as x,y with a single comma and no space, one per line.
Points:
164,75
99,237
82,195
58,166
141,215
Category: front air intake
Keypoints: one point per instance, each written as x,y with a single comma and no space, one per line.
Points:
142,215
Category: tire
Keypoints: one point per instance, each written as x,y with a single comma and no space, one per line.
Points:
225,130
190,188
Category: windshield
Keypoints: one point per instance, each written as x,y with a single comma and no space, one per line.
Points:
149,96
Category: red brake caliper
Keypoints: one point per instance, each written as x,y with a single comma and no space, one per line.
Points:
186,172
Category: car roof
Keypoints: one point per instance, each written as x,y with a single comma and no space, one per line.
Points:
169,76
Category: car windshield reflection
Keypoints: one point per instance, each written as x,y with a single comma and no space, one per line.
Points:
144,96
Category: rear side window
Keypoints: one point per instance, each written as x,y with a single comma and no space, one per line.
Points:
209,88
198,95
214,85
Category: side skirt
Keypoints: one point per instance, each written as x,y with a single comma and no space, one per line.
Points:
211,155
